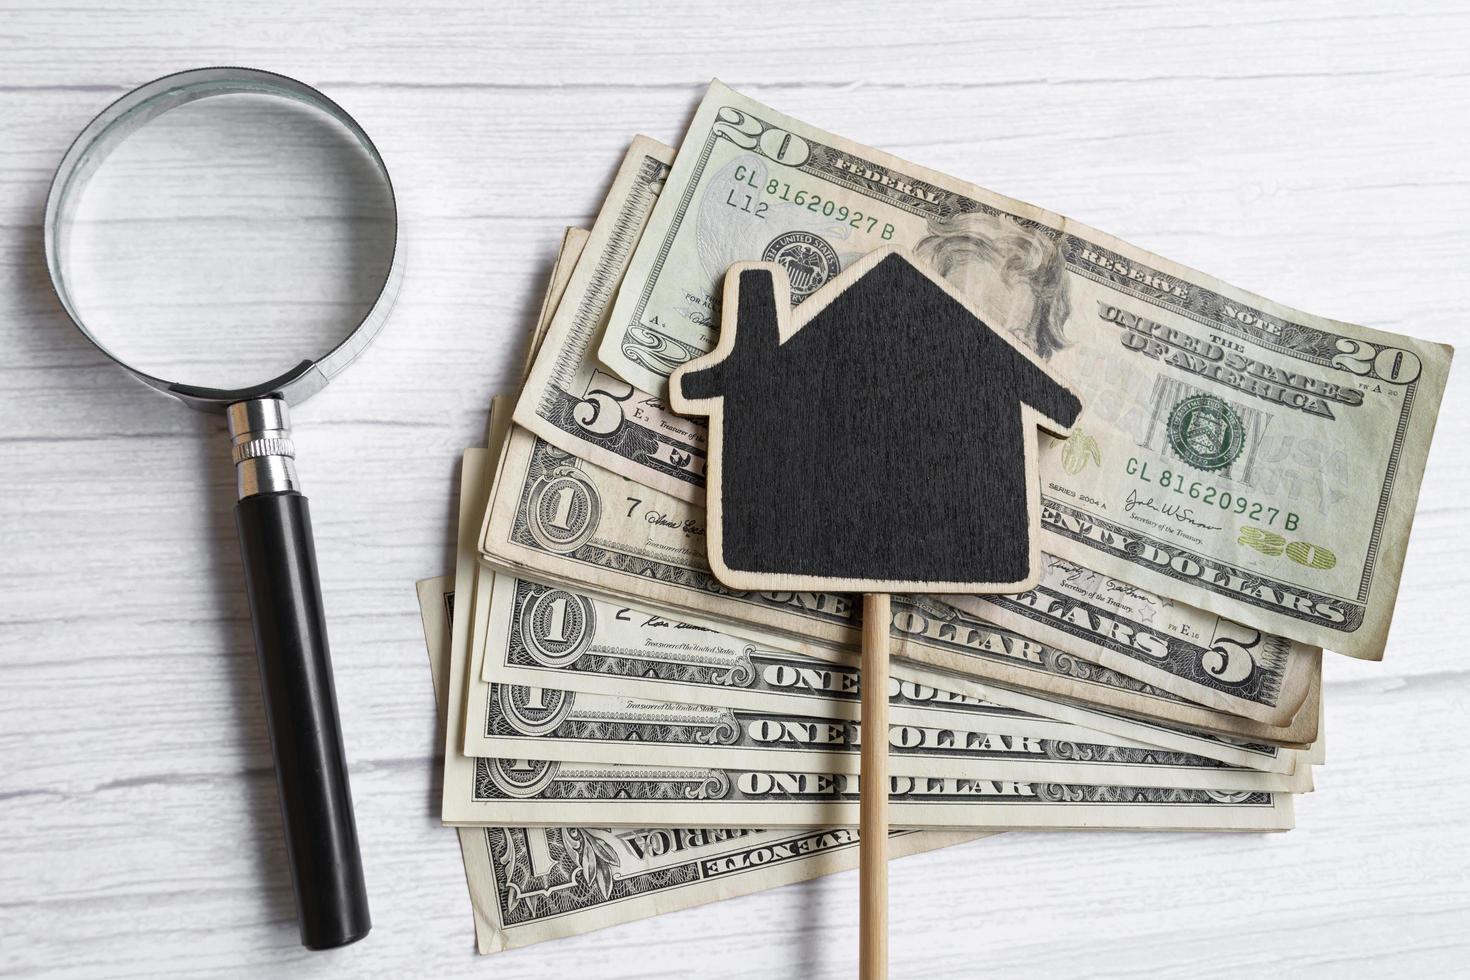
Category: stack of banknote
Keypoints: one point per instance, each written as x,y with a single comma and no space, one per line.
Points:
625,736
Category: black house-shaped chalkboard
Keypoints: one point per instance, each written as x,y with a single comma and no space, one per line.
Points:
880,437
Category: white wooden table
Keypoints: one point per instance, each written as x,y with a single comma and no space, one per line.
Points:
1314,152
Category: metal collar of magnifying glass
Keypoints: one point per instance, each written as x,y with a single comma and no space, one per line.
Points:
132,111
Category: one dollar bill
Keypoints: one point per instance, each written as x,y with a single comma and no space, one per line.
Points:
1233,453
536,792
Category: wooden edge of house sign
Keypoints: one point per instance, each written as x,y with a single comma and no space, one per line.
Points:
880,437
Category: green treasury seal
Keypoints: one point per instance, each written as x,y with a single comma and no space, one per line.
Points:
1205,432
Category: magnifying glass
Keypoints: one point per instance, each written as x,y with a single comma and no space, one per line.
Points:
276,294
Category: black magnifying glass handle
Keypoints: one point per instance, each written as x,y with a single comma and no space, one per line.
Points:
276,547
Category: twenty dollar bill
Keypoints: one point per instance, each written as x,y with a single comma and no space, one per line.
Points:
1233,453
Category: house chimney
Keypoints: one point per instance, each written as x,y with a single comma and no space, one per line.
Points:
759,317
757,338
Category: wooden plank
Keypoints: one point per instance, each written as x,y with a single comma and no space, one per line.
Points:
1312,153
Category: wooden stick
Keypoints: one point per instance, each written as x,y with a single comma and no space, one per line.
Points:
873,807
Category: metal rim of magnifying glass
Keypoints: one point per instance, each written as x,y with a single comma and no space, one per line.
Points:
146,102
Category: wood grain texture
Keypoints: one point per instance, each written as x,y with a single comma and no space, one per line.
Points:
1313,152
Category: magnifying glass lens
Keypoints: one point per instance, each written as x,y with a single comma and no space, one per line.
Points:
228,240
